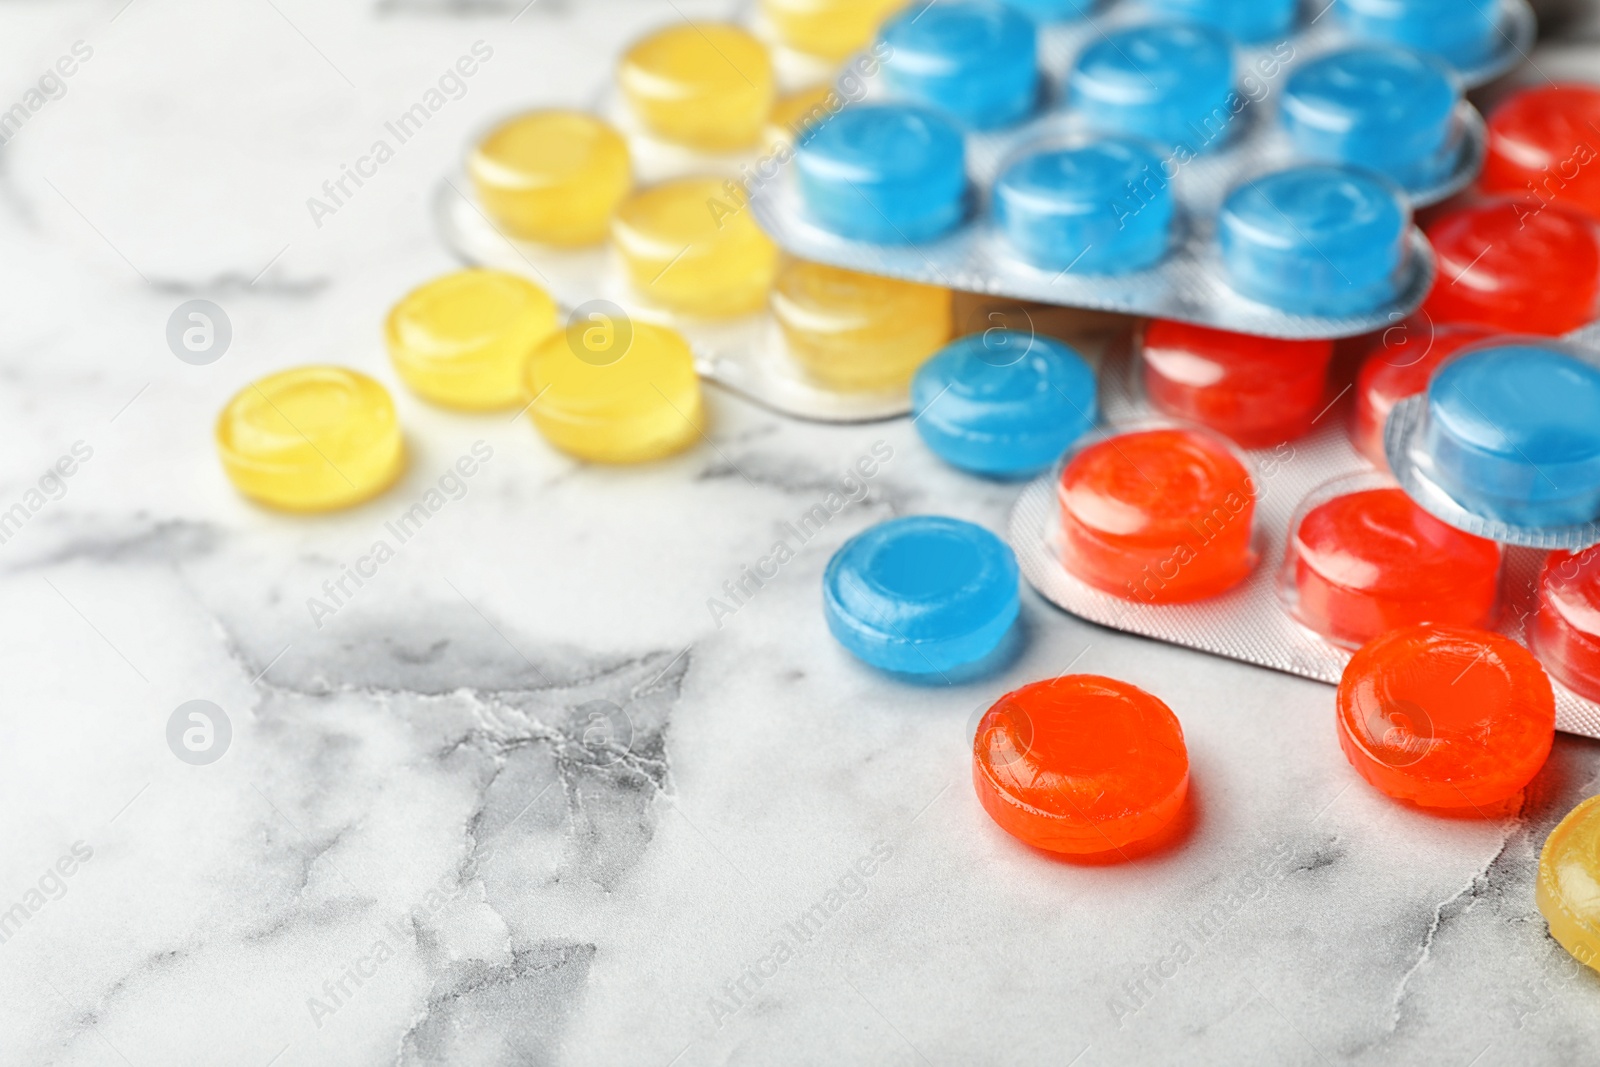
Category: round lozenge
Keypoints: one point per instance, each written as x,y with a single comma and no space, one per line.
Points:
1543,146
1004,403
1519,267
1568,889
1372,561
1564,632
921,595
1462,33
1391,110
1105,207
1158,516
311,439
617,392
689,247
857,331
1446,716
1080,765
977,60
1398,364
463,340
552,176
1258,391
1512,432
706,85
1316,240
1166,82
887,173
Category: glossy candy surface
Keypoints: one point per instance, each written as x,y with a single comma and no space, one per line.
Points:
552,176
888,173
1158,516
1315,240
1568,890
1169,83
1372,561
1004,403
1104,207
1247,21
1080,764
1047,11
1565,631
858,331
1516,266
1446,717
690,246
1256,390
311,439
616,392
1513,433
977,60
828,28
921,595
463,340
1543,147
1398,364
707,85
1387,109
1463,32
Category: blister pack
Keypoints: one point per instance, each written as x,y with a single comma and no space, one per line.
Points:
1145,164
1288,556
633,209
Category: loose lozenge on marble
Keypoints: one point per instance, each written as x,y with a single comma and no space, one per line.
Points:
921,595
1080,764
1004,403
616,392
1446,717
463,340
1568,889
311,439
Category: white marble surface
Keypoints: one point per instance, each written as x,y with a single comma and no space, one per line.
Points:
408,792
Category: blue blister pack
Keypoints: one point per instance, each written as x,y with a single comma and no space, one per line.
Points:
1179,159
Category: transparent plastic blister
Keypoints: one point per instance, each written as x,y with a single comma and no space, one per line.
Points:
1418,467
1189,281
1253,621
1514,27
747,353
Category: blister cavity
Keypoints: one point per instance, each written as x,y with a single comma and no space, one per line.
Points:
1505,443
1146,182
1250,622
748,354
